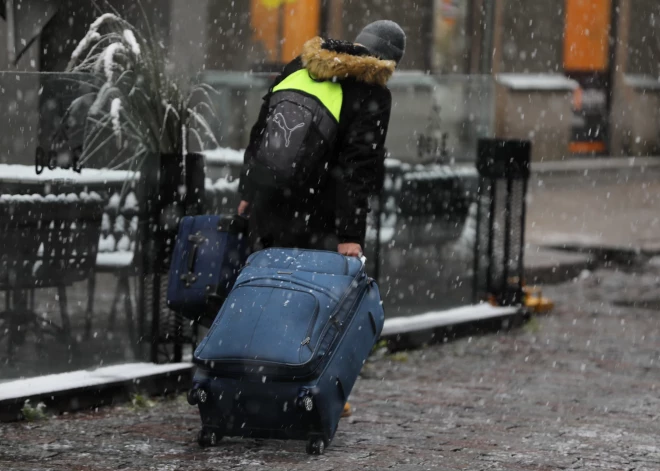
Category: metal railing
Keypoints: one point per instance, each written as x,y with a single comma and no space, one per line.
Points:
421,233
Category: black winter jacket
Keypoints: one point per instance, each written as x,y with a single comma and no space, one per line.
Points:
357,171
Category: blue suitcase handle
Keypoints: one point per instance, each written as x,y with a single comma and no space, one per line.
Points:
190,277
234,225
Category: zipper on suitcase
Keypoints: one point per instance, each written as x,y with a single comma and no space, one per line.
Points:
294,281
196,239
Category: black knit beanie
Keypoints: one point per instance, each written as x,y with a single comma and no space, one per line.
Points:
384,38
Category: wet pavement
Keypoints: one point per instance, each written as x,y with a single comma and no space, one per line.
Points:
574,390
596,208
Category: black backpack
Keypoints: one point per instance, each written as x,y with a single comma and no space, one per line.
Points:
299,136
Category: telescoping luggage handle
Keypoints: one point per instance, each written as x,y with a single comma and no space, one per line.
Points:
234,225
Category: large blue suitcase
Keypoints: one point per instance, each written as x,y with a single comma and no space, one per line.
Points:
208,254
286,348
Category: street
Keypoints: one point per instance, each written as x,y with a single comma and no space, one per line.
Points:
573,390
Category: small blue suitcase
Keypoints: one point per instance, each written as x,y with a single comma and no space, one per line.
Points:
208,254
286,348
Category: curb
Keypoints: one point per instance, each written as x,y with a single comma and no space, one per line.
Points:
431,320
595,166
451,324
565,262
77,390
583,167
609,254
552,266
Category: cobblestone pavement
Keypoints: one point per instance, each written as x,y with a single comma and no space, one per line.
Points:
575,390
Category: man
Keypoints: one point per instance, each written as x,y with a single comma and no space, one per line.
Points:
330,212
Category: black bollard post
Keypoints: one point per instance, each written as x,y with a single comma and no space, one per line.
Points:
504,169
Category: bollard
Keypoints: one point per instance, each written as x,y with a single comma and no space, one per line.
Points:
504,169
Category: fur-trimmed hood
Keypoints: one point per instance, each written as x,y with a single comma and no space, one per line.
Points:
332,59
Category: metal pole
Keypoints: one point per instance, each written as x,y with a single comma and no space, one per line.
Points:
475,34
149,278
507,234
155,314
324,21
487,39
523,220
612,67
428,28
280,33
491,236
141,249
477,244
377,247
621,24
11,32
334,25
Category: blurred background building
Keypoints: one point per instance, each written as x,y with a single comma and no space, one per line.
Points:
577,77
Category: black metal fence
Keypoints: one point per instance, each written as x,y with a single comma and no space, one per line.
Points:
115,231
504,168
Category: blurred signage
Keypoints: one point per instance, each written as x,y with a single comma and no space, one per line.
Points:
586,36
283,26
450,10
272,4
590,120
449,35
586,60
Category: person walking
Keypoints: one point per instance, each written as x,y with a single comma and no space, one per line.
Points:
329,210
316,153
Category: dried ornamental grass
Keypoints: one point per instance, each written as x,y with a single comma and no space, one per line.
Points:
134,101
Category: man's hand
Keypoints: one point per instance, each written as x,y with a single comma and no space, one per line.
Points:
350,249
243,208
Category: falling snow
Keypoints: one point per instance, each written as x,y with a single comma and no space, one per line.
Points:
464,229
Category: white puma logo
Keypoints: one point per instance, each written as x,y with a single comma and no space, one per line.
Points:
281,122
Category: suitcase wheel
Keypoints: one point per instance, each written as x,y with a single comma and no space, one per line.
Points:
315,446
196,396
206,438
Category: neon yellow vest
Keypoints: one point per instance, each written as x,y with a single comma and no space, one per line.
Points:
327,92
